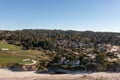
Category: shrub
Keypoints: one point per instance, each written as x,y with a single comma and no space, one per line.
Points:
15,66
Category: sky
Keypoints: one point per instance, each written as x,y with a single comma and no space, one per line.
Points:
80,15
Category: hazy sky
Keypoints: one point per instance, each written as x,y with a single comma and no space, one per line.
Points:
95,15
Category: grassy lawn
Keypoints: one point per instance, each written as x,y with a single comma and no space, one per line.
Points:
16,49
4,59
15,54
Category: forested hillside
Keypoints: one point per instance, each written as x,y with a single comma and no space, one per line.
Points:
52,39
76,50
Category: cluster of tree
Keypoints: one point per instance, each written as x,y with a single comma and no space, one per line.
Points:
54,39
69,61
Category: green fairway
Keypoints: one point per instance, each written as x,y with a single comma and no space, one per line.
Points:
10,54
15,54
4,59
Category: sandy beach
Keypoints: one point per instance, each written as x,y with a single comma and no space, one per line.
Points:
31,75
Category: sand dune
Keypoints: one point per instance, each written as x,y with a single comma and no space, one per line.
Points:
31,75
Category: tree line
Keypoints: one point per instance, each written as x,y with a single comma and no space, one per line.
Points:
54,39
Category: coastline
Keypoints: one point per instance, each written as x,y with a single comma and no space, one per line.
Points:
6,74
